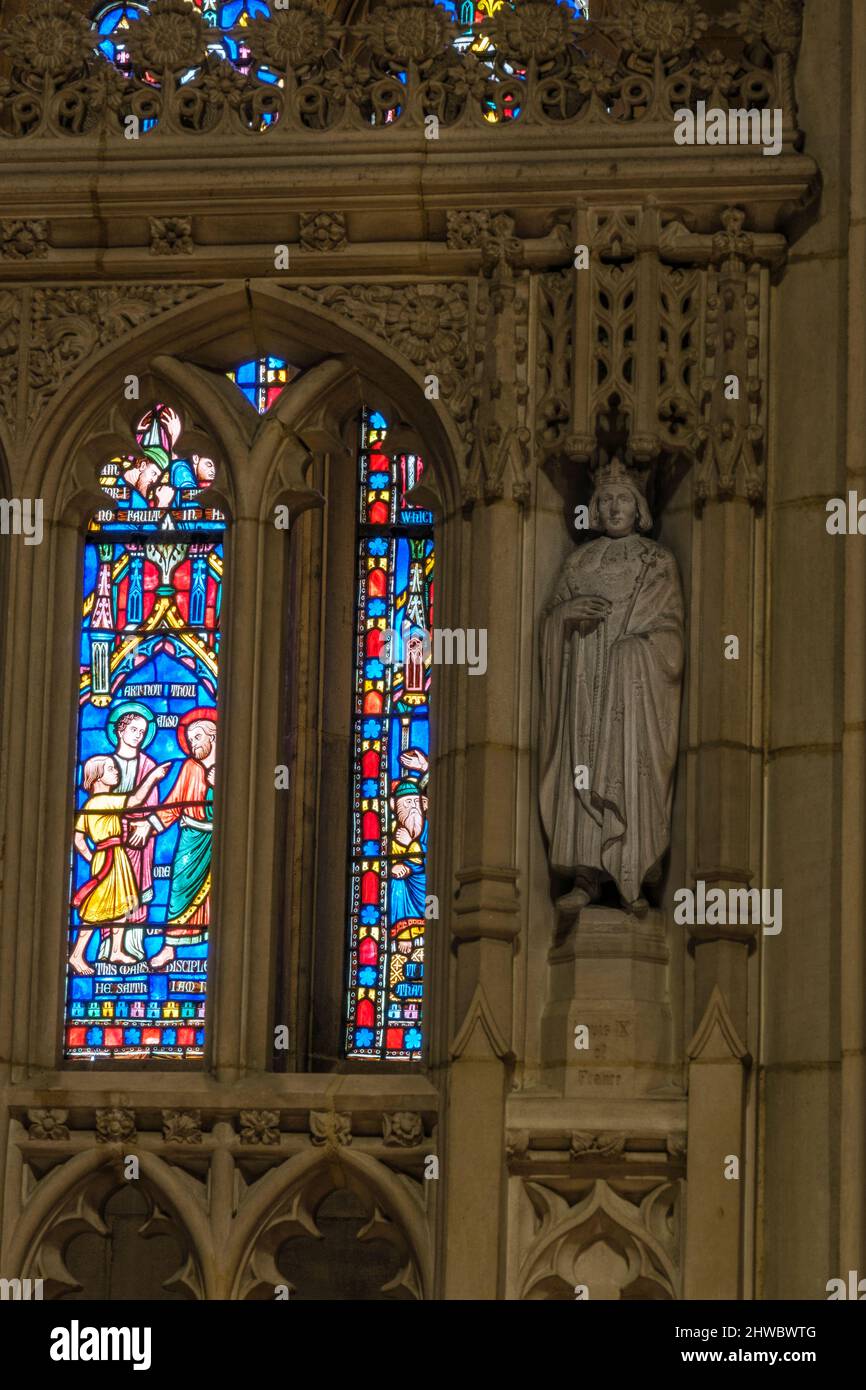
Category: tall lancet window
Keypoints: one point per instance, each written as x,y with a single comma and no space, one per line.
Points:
390,754
139,910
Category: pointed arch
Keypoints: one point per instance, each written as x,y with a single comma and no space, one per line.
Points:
221,326
184,352
282,1204
71,1198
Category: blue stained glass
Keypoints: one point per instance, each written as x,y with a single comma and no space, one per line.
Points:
263,380
228,21
139,915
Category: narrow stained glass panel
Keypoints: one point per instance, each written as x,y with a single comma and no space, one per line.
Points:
139,914
390,755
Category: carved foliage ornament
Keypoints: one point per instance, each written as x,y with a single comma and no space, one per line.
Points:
10,314
171,236
330,1128
404,1128
171,37
69,325
114,1125
323,231
181,1126
260,1126
407,31
778,23
427,323
398,66
662,28
23,239
48,1124
51,40
534,30
293,38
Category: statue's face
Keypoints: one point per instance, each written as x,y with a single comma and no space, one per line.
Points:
617,510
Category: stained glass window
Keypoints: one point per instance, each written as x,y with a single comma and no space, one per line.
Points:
262,380
139,914
390,755
228,19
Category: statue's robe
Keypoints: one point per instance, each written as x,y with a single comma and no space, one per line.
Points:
611,700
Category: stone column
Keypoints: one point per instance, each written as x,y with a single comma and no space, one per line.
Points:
725,760
485,913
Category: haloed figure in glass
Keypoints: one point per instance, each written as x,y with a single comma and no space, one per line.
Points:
143,827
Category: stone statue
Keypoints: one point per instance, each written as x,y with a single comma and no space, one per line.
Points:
612,659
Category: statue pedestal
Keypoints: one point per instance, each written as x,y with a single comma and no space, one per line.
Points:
610,976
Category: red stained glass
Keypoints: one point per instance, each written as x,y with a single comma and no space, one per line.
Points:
390,756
